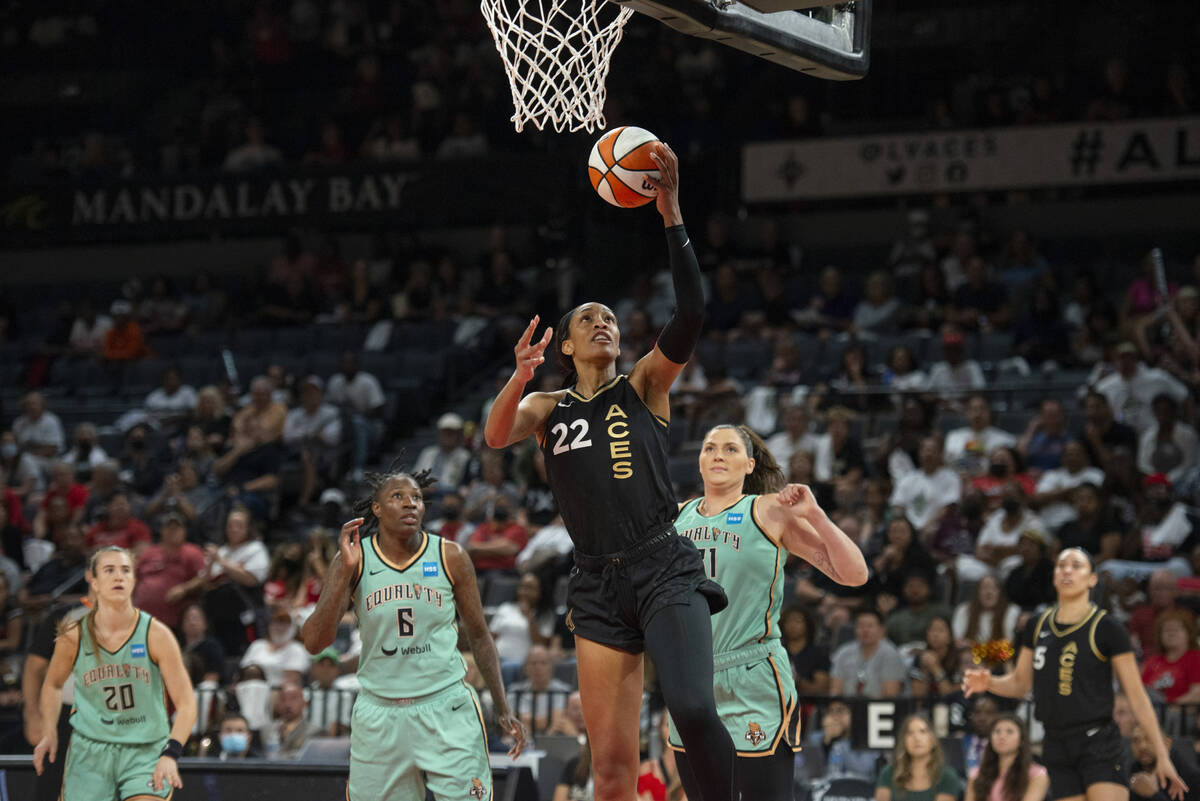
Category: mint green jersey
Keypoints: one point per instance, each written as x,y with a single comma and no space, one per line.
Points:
740,557
406,621
119,695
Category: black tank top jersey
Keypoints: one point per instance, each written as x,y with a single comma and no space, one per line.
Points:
1072,668
606,460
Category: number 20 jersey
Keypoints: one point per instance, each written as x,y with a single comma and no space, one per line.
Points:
406,621
119,694
606,461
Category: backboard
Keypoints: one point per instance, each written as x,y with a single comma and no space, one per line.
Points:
830,41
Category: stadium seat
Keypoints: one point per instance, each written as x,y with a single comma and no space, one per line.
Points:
325,751
501,588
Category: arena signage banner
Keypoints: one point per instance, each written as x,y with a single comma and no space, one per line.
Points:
445,193
1078,154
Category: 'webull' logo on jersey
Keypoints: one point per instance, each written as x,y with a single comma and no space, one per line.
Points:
105,672
713,534
403,592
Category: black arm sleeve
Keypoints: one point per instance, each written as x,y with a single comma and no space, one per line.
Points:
680,334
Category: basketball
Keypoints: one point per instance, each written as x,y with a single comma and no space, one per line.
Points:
619,164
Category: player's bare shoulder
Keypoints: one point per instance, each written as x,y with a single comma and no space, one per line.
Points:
540,404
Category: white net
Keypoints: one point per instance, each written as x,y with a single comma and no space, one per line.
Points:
556,54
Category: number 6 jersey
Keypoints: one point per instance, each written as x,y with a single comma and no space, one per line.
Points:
406,621
119,694
606,461
1072,668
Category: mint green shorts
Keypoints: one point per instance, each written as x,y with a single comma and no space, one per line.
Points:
96,771
756,700
397,750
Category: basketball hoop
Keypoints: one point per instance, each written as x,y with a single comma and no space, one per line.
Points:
556,54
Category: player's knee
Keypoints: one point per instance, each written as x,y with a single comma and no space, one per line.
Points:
612,780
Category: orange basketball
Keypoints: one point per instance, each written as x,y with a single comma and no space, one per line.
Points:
619,164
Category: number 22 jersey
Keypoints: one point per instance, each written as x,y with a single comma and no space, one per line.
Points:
606,461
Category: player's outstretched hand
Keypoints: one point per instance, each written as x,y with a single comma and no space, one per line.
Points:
530,354
667,182
975,681
512,725
46,747
1168,778
166,771
349,546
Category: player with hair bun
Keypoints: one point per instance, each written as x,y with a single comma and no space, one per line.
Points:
416,723
636,584
1069,656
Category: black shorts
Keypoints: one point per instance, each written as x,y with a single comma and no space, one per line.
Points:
612,598
1079,758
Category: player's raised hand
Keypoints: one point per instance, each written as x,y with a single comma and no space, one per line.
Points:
513,726
667,183
975,681
46,747
530,354
349,546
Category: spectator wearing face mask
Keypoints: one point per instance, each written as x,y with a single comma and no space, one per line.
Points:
996,548
1163,530
84,453
450,525
235,740
280,655
1004,466
495,543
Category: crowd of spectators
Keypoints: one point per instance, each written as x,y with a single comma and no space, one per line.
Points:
248,87
937,421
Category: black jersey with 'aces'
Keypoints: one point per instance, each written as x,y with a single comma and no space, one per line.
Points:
1072,668
606,460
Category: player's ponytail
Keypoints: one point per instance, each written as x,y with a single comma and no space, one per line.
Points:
767,477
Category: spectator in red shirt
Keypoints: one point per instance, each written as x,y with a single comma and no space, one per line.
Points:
62,482
496,542
1175,671
1164,589
119,527
1004,465
12,502
162,569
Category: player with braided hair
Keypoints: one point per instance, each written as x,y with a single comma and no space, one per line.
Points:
407,586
